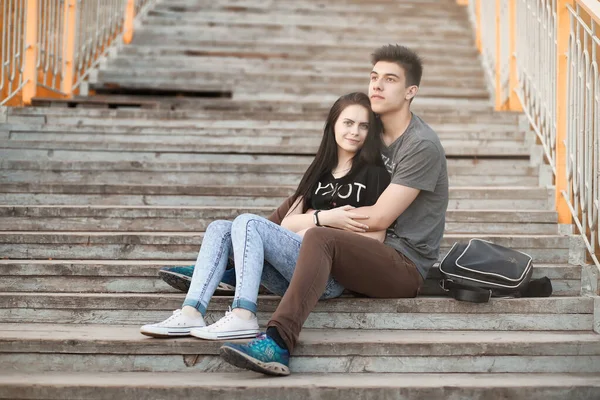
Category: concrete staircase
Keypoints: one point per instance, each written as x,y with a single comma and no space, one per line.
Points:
216,109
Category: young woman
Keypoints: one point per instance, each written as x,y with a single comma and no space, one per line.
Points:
347,172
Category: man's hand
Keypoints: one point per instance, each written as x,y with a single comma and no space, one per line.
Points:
343,218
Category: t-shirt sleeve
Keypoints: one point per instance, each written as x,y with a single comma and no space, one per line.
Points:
378,180
418,167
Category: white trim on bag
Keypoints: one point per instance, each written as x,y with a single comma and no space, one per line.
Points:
490,273
498,285
484,282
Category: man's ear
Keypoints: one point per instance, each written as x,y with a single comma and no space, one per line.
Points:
411,92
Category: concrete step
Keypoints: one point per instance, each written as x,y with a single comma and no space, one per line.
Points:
363,40
356,69
41,347
433,110
444,9
92,120
236,136
135,276
300,52
152,218
263,168
173,161
137,120
433,106
329,24
249,386
523,198
422,313
185,245
340,9
450,135
468,150
193,178
410,5
248,78
124,82
370,24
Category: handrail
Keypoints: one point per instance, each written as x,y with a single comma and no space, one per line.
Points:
551,74
49,47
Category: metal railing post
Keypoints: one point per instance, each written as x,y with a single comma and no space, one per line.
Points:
68,53
128,24
498,101
29,61
562,73
514,104
478,41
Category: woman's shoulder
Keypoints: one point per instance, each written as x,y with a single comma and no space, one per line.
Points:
369,172
376,169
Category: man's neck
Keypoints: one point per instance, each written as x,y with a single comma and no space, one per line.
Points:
395,124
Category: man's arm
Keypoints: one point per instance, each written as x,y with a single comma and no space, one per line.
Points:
392,202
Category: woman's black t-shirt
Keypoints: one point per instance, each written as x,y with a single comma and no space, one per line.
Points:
360,189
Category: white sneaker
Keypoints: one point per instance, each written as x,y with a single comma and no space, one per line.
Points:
229,327
176,325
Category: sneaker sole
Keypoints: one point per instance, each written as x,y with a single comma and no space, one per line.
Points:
165,333
245,334
225,287
241,360
175,280
182,282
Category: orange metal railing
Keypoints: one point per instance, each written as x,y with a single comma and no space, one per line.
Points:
542,57
49,47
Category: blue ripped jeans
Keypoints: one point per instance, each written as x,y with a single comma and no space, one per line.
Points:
263,252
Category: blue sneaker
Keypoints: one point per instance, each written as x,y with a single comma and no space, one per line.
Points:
180,278
261,355
228,280
177,277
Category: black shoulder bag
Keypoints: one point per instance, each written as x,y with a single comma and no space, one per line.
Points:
478,270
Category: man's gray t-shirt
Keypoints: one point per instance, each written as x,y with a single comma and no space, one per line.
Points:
417,160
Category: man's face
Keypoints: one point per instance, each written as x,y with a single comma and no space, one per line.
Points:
387,90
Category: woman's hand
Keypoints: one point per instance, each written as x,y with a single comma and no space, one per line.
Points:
343,218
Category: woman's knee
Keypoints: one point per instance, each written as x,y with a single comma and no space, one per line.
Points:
242,221
219,226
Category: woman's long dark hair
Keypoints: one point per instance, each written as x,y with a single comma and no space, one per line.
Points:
327,155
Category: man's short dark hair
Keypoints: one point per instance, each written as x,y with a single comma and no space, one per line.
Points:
404,57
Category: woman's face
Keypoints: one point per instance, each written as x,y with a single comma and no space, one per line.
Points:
351,128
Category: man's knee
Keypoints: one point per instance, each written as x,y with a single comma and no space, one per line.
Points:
319,237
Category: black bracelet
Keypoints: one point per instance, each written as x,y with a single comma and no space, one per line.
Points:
316,215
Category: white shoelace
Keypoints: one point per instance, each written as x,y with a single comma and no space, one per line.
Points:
228,317
176,314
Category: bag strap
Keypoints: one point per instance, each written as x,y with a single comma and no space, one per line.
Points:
470,294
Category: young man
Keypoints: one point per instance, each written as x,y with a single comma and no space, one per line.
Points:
413,207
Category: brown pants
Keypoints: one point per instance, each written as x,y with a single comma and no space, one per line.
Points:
358,263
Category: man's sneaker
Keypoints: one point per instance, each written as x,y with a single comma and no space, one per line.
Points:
176,325
227,284
180,278
261,355
229,327
177,277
